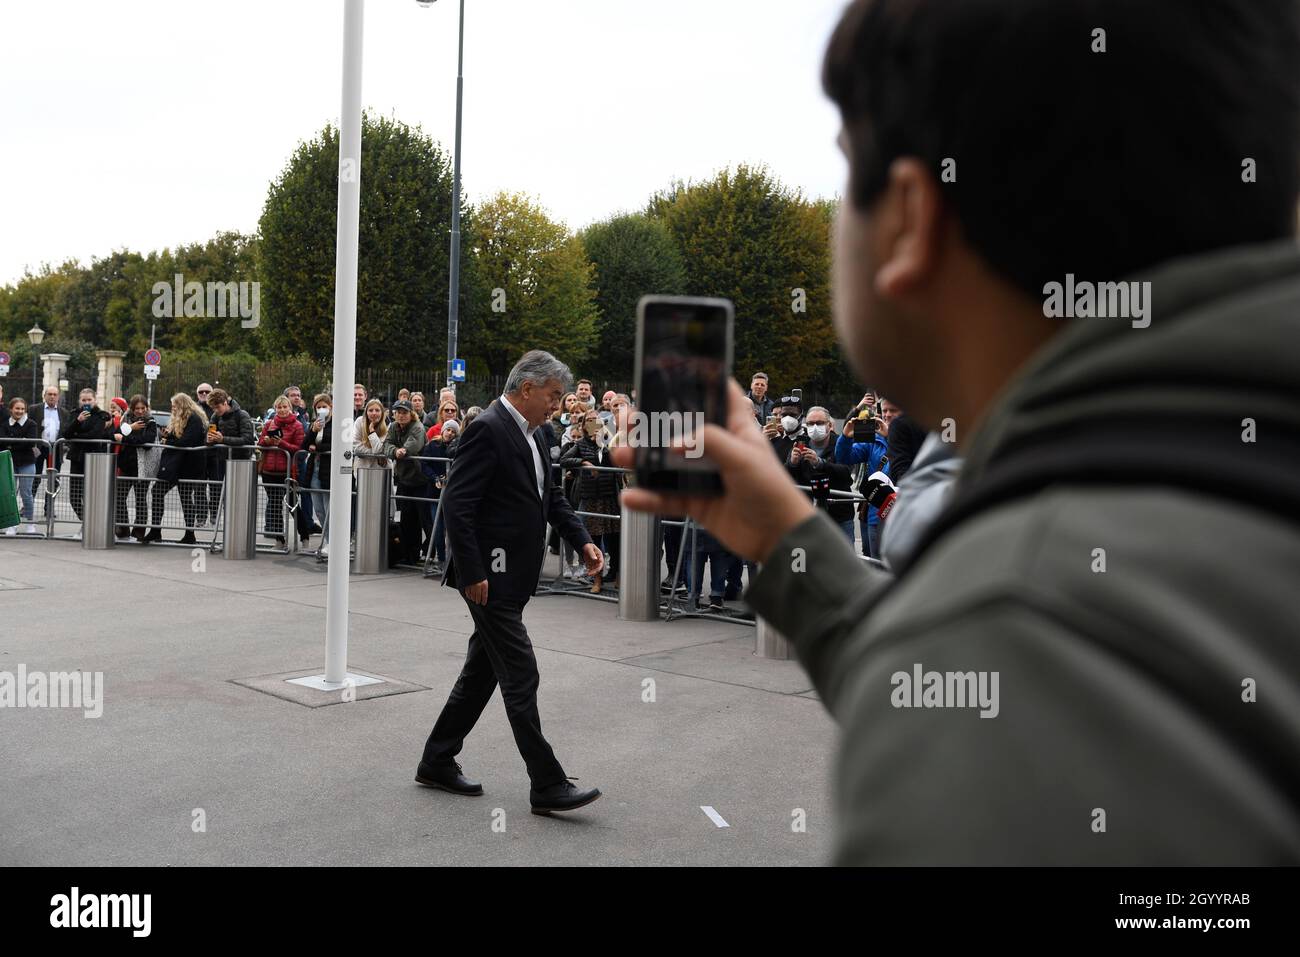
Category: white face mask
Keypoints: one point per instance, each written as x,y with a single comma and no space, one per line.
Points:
790,423
817,432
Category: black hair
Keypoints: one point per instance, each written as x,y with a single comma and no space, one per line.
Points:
1070,160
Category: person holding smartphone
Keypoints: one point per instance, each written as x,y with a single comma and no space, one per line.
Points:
90,429
282,436
180,468
597,489
136,430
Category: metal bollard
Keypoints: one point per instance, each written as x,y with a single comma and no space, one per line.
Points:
240,531
770,643
638,566
374,491
100,481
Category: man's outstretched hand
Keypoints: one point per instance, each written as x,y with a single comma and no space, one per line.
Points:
760,504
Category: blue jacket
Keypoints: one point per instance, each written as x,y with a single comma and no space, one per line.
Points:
873,454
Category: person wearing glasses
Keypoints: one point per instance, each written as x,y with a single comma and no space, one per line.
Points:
207,497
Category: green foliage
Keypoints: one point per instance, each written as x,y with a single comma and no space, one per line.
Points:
632,256
744,236
81,353
403,262
545,281
33,302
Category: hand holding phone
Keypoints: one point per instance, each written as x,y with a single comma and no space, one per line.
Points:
683,365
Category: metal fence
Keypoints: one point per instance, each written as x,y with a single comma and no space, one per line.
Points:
147,503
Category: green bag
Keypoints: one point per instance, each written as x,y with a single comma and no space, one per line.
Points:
9,514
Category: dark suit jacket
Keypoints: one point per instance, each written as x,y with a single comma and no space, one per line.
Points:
491,503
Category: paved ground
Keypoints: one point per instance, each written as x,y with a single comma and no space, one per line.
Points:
279,783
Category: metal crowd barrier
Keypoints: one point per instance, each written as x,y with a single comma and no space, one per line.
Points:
43,475
106,501
638,593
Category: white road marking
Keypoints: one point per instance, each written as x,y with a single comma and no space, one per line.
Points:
714,816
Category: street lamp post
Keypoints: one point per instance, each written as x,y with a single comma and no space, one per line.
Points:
453,285
36,335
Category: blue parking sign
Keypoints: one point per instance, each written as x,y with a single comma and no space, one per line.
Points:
457,370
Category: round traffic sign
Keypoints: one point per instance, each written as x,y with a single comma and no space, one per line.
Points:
153,358
4,358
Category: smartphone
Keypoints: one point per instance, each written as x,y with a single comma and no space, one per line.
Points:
684,350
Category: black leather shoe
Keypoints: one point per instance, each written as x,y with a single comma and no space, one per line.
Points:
447,777
564,796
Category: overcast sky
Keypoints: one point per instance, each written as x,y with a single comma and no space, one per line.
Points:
144,124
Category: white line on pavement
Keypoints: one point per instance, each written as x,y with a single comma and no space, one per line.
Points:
714,816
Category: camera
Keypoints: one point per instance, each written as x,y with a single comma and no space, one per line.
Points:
865,425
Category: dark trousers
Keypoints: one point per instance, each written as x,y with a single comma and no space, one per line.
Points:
411,524
672,543
40,477
708,549
274,483
207,498
499,653
187,492
76,484
131,486
306,515
735,584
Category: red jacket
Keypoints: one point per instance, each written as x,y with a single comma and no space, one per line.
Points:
279,458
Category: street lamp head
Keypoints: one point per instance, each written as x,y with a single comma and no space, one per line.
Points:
426,3
36,335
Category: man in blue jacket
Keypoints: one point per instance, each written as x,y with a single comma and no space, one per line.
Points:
873,453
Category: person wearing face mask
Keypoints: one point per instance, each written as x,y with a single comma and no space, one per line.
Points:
784,426
812,462
316,475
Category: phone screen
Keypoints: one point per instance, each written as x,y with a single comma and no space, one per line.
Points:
683,364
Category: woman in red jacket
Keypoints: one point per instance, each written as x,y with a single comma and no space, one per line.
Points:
282,436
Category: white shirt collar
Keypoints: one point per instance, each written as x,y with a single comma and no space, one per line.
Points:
518,417
22,421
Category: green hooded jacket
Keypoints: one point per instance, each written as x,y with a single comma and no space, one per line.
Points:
1121,555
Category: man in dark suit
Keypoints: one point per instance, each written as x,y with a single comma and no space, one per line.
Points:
500,494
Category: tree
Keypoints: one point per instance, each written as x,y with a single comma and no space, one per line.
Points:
33,301
91,295
745,237
538,281
402,267
632,256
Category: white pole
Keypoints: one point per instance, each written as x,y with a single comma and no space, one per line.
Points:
345,343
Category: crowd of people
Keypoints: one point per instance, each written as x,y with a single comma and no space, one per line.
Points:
851,474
